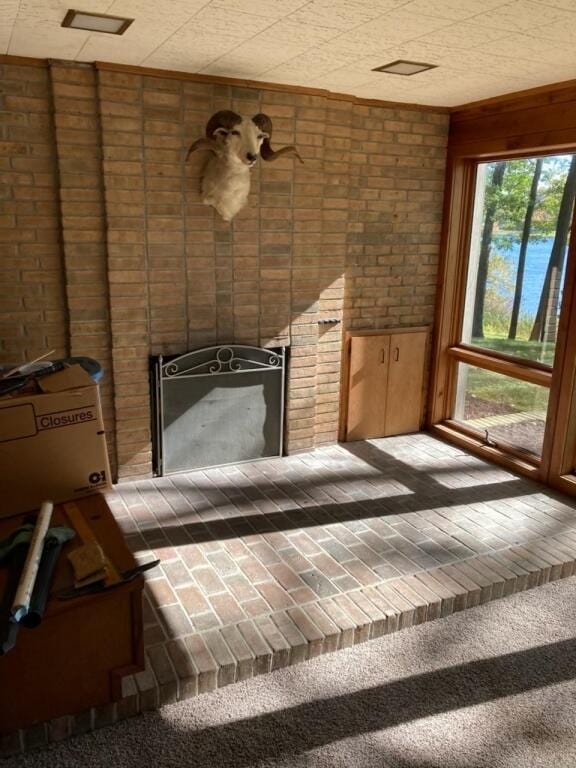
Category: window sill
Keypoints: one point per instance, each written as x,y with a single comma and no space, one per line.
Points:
449,432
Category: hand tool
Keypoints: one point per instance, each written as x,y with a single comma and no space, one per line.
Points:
102,586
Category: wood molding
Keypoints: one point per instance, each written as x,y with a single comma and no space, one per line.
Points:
25,61
527,122
232,81
561,456
564,90
452,272
264,85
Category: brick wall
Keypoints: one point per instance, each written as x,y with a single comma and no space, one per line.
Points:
352,234
33,312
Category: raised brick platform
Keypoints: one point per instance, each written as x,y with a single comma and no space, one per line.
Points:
272,563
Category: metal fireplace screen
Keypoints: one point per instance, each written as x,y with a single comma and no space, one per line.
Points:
218,405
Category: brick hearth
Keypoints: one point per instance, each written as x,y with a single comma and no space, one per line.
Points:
275,562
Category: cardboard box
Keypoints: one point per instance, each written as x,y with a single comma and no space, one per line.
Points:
52,443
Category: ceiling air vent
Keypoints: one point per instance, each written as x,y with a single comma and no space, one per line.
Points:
401,67
96,22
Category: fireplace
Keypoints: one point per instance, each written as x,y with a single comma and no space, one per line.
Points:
217,405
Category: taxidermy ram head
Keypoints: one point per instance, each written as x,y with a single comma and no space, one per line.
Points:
235,142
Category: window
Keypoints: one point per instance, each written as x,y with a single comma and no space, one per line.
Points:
515,270
517,257
503,381
503,409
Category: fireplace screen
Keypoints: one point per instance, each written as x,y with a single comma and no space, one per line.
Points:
218,405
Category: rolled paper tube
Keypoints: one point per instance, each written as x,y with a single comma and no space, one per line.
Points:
21,602
55,540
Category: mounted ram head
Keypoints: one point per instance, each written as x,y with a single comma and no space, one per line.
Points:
235,142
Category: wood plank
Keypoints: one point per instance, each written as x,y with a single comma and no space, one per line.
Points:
405,383
518,123
530,144
367,387
539,96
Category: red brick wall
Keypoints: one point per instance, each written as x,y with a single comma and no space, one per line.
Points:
352,234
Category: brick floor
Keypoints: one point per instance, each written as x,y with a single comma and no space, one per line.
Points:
275,562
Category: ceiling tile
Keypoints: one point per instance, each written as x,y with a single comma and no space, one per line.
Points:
565,5
400,26
559,31
344,14
221,21
8,11
452,9
270,9
288,32
463,35
251,57
521,16
481,47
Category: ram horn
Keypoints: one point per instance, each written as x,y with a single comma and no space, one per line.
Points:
225,119
265,124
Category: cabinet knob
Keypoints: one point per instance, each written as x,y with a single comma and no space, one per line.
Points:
383,356
396,354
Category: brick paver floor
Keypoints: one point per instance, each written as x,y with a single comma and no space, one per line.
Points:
273,562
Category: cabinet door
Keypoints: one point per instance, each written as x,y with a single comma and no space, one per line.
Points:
369,357
405,381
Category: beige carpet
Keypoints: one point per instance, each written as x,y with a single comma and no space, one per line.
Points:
490,687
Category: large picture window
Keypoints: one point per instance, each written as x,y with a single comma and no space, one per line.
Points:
503,381
517,256
516,267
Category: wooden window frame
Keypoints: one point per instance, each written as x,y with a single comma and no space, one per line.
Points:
502,129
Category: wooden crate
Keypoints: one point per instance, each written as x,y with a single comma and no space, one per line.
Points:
78,655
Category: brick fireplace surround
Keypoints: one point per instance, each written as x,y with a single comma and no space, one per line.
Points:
107,250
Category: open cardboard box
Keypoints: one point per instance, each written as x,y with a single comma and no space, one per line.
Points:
52,442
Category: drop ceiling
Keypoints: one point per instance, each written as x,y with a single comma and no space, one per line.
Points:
481,48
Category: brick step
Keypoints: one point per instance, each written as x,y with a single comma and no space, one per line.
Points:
202,662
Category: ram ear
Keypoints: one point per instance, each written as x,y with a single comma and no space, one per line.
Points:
203,143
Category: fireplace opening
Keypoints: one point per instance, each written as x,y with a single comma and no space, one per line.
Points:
217,405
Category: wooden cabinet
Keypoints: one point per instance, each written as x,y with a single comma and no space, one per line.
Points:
383,383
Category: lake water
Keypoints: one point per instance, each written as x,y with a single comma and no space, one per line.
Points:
537,257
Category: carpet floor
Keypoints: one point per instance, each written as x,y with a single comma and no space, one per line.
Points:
491,687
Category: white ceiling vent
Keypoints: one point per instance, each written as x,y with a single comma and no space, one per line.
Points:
404,67
96,22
